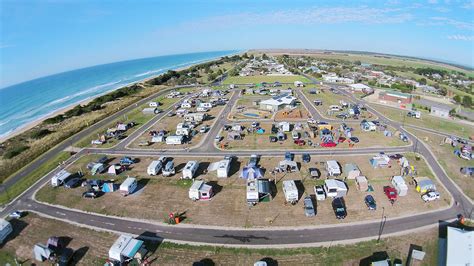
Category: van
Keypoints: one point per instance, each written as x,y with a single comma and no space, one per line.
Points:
154,167
169,170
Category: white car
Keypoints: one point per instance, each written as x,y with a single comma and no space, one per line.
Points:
295,135
204,129
311,121
320,194
217,138
430,196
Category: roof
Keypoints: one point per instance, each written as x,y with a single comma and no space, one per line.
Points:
441,109
332,164
128,182
131,248
396,94
335,183
3,224
361,179
398,179
279,100
359,86
460,248
350,167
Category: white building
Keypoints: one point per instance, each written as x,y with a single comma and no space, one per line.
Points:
361,88
440,111
460,247
277,103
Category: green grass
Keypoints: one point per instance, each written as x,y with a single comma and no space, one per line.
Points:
7,257
268,79
427,121
31,178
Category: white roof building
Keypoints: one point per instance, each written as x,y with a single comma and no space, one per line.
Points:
276,103
460,247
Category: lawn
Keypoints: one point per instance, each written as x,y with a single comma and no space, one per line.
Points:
268,79
426,120
95,244
32,177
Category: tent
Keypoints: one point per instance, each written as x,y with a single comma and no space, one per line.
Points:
108,187
41,252
234,135
260,131
251,172
112,170
351,170
362,183
424,184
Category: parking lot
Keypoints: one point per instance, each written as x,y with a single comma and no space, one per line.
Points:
157,196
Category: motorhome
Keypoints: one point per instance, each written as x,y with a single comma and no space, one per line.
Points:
151,111
128,186
59,178
200,191
332,167
190,169
5,230
223,168
154,167
291,191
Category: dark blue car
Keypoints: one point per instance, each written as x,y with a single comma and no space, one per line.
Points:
370,202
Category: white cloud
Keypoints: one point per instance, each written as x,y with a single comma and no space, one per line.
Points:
459,37
442,21
469,5
2,45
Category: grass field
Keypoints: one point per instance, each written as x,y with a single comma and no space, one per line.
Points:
426,120
268,79
32,177
92,247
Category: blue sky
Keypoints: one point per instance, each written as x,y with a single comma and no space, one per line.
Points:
39,38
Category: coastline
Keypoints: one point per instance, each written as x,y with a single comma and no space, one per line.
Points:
38,121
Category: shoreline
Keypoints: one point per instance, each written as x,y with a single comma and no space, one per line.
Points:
36,122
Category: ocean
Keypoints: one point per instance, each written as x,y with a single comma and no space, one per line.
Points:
30,101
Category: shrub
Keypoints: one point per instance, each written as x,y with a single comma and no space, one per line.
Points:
14,151
38,134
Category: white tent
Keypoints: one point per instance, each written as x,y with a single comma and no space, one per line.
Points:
112,170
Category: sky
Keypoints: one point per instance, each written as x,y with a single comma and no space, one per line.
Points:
39,38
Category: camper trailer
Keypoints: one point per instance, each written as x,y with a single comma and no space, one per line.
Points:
206,105
168,170
399,183
291,191
126,248
334,108
202,109
284,126
151,111
223,168
154,167
288,166
335,188
258,190
174,140
5,229
128,186
195,117
200,191
190,169
368,126
332,167
97,168
252,192
59,178
153,104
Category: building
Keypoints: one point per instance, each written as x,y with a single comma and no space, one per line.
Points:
278,102
361,88
460,247
395,97
440,111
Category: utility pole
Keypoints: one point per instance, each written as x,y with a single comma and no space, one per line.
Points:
382,224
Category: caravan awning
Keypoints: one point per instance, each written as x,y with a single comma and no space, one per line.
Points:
132,248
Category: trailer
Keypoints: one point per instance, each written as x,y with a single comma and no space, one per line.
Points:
335,188
195,117
59,178
291,191
128,186
5,229
174,140
223,168
332,167
200,191
151,111
190,169
399,183
368,126
126,248
288,166
154,167
97,168
252,192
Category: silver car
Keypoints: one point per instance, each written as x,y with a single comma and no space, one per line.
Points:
309,210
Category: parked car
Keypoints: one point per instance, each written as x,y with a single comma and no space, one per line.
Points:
306,157
320,194
255,124
126,161
144,143
73,182
299,142
314,172
91,194
309,210
295,135
204,129
342,116
370,202
217,138
289,156
354,139
391,193
16,214
339,208
273,139
396,156
430,196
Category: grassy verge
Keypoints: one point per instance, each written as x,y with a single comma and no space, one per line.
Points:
31,178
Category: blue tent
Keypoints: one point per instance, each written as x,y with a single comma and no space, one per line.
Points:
251,172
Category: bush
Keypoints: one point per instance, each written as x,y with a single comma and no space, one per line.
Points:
14,151
54,120
38,134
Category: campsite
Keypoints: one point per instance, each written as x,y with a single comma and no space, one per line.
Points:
228,206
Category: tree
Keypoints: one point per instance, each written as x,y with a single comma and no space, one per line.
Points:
467,101
358,62
422,81
457,98
265,57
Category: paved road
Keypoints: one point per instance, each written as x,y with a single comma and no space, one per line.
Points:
256,237
77,137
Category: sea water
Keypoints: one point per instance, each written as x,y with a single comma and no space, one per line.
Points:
29,101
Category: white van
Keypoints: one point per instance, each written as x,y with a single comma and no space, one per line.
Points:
334,108
291,191
190,169
154,167
153,104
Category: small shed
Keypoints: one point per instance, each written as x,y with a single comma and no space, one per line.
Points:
351,170
362,183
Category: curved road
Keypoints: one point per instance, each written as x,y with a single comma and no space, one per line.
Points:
232,236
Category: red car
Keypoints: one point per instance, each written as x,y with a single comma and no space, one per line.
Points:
328,144
299,142
391,193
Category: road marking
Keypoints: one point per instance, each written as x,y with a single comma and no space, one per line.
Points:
61,213
109,223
